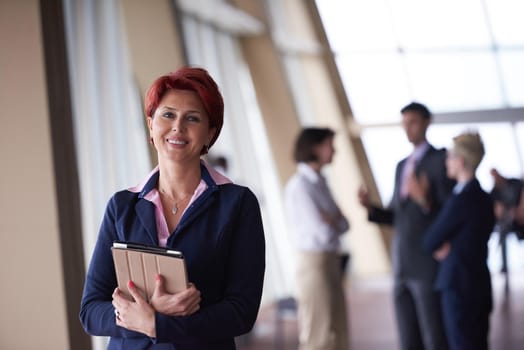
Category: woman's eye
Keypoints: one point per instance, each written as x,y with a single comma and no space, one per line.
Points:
193,118
168,115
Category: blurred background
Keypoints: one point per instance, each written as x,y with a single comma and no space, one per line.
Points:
73,74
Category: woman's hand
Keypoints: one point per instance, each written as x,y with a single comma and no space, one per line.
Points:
328,218
136,315
179,304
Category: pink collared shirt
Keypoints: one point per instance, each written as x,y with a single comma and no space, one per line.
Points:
410,165
154,197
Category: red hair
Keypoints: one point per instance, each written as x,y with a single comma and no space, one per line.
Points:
193,79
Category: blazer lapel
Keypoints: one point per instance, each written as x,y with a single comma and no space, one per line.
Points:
422,162
145,211
201,203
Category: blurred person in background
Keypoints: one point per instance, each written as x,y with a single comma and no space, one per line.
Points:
458,238
317,223
507,195
421,187
220,163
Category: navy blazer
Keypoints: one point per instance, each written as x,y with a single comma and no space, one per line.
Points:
410,220
466,222
222,239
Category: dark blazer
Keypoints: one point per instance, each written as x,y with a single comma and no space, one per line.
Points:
410,220
222,239
466,221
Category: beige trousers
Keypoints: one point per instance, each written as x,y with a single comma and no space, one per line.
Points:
322,313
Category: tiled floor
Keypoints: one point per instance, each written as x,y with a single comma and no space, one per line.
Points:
372,320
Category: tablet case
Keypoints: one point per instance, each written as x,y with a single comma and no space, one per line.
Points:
141,263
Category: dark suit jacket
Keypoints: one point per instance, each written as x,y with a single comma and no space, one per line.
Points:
222,239
410,220
466,221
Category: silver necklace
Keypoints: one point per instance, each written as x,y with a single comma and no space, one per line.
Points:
174,210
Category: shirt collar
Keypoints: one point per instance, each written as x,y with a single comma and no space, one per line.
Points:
209,175
420,150
218,178
459,187
308,172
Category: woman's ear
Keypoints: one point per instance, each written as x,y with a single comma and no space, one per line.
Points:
211,134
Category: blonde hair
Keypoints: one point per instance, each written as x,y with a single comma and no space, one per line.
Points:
469,146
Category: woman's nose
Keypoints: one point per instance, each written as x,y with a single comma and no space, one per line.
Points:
177,124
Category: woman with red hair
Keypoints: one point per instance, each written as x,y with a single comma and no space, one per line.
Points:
184,205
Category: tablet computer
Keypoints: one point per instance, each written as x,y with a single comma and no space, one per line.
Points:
141,263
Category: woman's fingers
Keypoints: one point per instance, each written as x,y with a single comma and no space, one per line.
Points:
136,293
178,304
159,284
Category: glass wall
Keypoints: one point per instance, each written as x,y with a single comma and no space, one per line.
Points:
243,140
463,59
454,56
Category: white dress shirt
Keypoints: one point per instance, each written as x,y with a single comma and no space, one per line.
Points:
307,196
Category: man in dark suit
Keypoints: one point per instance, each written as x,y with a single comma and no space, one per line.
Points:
421,186
458,238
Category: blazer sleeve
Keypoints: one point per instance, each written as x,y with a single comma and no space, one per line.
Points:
236,313
386,216
445,225
96,310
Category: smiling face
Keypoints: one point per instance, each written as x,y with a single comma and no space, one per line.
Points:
180,126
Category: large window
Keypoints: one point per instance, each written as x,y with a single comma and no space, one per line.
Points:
212,42
455,56
463,59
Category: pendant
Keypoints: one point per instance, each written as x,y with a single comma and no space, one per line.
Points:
174,210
